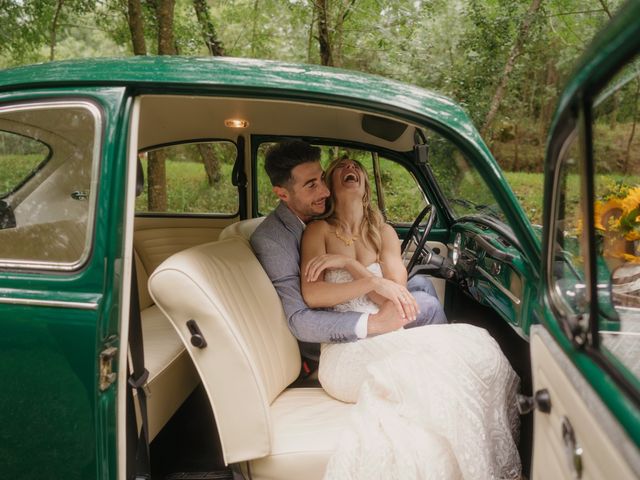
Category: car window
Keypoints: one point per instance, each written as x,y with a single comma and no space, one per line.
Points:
193,178
48,175
570,246
616,152
461,184
395,191
616,223
20,157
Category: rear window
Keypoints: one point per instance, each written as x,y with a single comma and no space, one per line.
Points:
20,157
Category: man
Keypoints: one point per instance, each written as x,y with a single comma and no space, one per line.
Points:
297,178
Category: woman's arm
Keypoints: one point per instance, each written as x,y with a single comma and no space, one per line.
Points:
391,257
317,293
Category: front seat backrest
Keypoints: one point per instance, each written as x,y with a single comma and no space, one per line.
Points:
250,357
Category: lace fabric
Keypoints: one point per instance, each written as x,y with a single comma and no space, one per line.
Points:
432,402
360,304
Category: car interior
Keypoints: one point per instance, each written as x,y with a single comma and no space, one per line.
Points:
205,283
223,391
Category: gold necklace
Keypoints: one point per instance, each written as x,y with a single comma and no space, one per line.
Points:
348,241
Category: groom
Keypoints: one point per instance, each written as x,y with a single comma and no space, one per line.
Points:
297,178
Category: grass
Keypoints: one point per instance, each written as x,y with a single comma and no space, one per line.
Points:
15,168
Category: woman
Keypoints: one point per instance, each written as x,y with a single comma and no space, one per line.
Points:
436,401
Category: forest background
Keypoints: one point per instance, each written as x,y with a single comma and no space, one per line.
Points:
504,61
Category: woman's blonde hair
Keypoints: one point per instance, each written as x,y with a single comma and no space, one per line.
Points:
372,220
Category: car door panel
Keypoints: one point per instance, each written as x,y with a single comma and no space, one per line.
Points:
607,452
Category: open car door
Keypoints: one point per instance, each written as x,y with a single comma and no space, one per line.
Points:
586,353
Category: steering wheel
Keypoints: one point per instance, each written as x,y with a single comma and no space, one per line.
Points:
422,251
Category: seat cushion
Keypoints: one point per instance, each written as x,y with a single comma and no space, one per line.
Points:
172,376
306,426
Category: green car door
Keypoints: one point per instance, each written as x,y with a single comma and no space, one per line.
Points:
62,170
586,353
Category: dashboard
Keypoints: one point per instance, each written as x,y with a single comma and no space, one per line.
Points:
490,268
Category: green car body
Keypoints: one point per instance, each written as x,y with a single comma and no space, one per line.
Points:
57,421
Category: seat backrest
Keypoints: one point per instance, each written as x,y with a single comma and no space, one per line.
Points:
243,228
250,357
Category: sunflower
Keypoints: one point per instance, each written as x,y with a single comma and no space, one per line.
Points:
632,201
607,214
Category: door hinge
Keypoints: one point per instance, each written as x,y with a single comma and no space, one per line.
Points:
107,375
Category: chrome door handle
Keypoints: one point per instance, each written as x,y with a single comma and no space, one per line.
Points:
572,450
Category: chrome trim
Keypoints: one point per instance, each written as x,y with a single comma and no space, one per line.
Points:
498,285
49,303
552,287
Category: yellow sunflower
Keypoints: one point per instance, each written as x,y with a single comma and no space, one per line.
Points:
631,201
608,214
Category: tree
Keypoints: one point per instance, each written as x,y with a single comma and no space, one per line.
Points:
516,50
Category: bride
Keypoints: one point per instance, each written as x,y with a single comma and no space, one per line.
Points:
432,402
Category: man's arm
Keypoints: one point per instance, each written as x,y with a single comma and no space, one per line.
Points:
315,326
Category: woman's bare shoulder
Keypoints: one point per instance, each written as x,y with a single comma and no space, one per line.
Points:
388,232
317,227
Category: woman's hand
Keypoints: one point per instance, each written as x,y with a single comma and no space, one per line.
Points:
402,299
327,261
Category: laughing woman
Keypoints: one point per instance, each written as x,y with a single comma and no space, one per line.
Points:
438,396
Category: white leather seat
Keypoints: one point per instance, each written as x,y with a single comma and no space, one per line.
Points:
243,228
249,361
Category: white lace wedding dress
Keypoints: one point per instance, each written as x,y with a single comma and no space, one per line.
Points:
432,402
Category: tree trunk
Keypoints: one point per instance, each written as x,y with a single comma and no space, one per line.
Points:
211,163
54,30
633,128
166,41
214,45
157,181
156,169
516,50
209,159
338,36
254,28
310,39
324,39
136,27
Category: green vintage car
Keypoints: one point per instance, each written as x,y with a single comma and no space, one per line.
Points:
129,189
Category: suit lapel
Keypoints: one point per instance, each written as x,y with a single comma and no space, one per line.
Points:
290,221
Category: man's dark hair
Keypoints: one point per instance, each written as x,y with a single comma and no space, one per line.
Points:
285,156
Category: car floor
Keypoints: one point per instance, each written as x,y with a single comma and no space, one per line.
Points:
188,446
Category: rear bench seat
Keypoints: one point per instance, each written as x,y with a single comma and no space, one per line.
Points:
249,361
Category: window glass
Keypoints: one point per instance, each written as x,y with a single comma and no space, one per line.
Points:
48,172
397,193
20,157
460,182
569,247
190,178
616,146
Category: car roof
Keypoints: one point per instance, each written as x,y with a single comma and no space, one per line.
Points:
239,76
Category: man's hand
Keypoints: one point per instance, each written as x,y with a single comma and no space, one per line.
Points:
327,261
386,320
